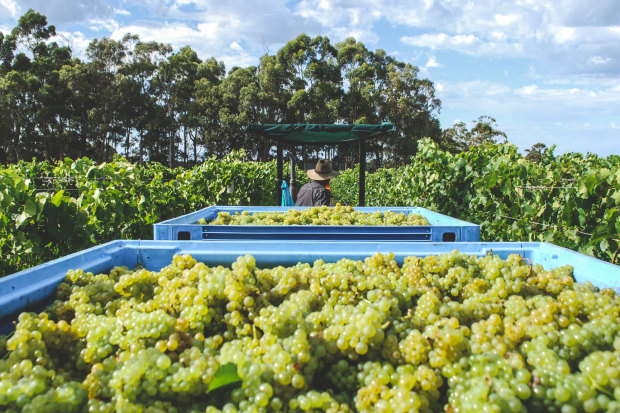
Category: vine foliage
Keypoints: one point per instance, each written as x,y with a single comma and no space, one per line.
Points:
48,210
570,200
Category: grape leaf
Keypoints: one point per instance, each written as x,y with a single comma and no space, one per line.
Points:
602,174
225,375
57,198
30,209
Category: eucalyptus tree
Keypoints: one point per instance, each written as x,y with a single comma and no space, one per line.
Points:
274,93
240,106
273,98
205,108
135,77
291,62
358,75
325,85
359,102
535,153
483,132
8,45
379,88
106,56
7,134
30,90
411,105
81,82
311,81
173,87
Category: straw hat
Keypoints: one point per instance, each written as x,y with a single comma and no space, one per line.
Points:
323,171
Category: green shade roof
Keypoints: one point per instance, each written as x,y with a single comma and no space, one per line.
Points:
316,133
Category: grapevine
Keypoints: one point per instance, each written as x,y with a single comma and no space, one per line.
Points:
451,332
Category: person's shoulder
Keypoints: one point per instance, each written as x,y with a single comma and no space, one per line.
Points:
309,184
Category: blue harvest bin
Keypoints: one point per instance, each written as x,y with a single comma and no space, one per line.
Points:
442,228
34,287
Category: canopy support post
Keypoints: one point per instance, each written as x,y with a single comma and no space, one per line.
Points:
293,180
362,184
279,168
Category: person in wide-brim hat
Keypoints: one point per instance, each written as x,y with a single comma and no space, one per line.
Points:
323,171
317,191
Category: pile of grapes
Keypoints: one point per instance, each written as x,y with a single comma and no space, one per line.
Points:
323,215
453,333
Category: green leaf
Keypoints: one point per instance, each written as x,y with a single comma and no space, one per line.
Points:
602,174
582,216
225,375
529,210
616,197
30,209
587,184
57,198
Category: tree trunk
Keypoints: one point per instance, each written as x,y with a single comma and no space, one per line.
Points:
82,139
16,145
195,150
127,144
185,145
141,149
170,148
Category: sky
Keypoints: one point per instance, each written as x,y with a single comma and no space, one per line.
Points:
547,71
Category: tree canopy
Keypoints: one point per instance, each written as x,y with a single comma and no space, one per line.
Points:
148,102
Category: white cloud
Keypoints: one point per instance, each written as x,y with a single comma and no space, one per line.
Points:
67,11
341,19
235,46
599,60
104,26
9,8
563,34
432,62
506,19
527,90
207,39
575,118
571,36
468,44
122,12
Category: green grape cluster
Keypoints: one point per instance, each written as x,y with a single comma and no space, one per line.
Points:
489,383
322,215
450,332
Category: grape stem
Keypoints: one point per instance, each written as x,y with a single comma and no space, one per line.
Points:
596,386
530,262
